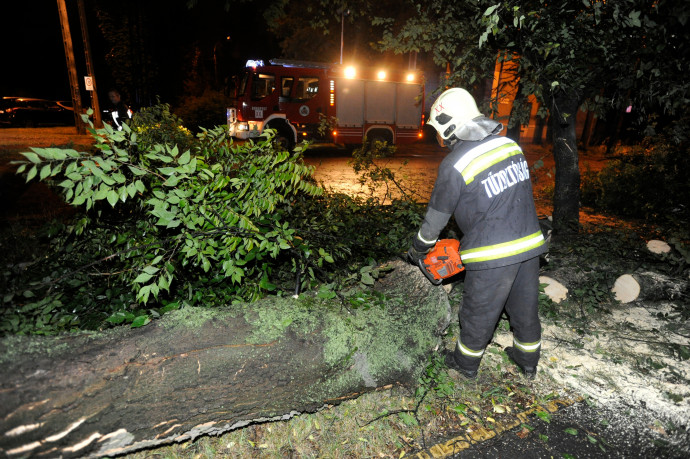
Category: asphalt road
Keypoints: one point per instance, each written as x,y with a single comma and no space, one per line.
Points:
583,431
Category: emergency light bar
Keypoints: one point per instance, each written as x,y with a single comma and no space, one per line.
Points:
300,64
254,63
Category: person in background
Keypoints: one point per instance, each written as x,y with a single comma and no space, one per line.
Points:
120,112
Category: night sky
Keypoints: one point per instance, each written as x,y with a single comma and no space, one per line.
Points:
34,60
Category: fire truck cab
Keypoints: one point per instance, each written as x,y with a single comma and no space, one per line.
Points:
294,97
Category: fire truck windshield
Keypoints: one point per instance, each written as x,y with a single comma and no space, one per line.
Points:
243,84
263,85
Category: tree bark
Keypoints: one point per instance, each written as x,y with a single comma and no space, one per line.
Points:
538,130
587,130
566,197
207,371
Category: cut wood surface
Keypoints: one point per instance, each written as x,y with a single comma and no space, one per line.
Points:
206,371
649,286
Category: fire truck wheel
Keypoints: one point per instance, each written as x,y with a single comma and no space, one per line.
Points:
380,135
284,138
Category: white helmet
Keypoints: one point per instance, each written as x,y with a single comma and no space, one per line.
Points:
454,108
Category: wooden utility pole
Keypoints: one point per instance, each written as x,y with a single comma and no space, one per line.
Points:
71,67
89,64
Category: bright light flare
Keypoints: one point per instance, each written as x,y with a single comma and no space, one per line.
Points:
350,72
381,75
410,77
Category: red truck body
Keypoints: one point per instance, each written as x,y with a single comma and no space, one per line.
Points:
295,97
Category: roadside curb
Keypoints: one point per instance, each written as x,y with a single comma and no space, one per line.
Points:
465,441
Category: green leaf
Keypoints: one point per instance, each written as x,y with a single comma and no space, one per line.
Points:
166,170
33,157
118,177
112,197
326,293
461,409
143,277
408,419
137,171
131,190
150,270
102,192
489,11
31,174
570,431
544,416
172,181
367,279
170,307
116,318
266,285
184,159
140,321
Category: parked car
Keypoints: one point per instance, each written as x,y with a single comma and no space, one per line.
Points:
28,112
66,104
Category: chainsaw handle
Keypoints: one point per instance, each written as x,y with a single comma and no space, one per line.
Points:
428,274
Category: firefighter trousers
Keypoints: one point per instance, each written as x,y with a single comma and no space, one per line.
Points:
487,292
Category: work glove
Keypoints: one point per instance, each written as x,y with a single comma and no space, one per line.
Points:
418,251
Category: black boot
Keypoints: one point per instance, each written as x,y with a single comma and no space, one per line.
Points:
530,372
452,363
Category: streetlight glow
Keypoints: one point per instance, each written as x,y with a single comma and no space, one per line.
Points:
382,75
350,72
410,77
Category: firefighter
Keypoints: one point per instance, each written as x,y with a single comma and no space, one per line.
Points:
484,183
120,111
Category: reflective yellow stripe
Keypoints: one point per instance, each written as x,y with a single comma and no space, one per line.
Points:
489,159
506,249
469,352
527,347
479,150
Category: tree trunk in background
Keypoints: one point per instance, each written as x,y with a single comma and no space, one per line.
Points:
538,130
587,130
566,197
207,371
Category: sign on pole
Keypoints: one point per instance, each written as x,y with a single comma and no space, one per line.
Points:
88,81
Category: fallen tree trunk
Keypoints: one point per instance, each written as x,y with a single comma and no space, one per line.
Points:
649,286
640,285
207,371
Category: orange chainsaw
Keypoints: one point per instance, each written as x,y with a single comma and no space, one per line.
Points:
442,262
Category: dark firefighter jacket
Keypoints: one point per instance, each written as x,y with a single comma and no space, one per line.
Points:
486,185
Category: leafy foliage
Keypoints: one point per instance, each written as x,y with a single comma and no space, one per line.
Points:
646,181
214,224
172,223
158,125
370,163
604,54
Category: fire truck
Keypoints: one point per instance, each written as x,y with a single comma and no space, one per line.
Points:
295,97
